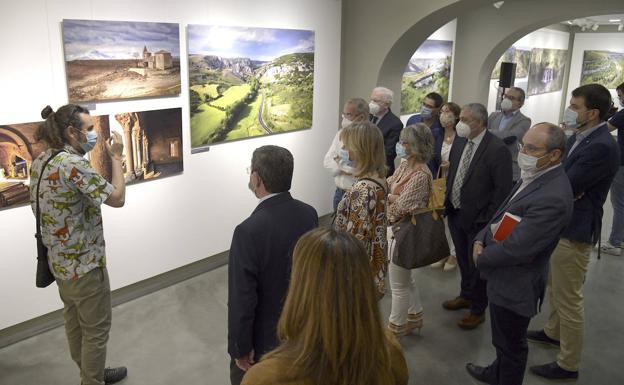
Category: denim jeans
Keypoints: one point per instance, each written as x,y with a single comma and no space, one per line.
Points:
617,201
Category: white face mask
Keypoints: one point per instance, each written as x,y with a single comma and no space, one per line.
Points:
463,129
345,122
528,164
570,119
374,108
506,105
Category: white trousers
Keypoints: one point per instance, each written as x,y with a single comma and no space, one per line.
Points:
405,294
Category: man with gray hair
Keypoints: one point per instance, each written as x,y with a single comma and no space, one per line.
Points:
389,124
478,181
337,159
510,124
516,268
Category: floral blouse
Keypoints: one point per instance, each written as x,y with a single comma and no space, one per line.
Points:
362,212
413,189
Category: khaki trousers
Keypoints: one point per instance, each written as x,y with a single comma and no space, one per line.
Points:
87,316
568,266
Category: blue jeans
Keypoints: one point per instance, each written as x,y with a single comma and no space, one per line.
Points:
338,197
617,201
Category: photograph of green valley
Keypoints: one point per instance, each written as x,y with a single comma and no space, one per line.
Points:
247,82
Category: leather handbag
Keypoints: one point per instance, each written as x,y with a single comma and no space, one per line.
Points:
438,193
420,239
44,276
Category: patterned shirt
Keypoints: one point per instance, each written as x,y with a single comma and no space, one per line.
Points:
362,212
71,220
413,189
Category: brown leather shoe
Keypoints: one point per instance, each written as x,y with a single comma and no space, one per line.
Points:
471,321
456,304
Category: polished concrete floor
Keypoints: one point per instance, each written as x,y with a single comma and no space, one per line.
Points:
178,336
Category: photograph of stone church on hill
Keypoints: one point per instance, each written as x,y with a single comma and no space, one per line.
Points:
152,144
115,60
248,82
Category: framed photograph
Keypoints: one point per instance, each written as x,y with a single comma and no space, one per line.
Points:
115,60
603,67
546,70
248,82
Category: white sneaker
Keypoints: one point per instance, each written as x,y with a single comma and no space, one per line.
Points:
608,248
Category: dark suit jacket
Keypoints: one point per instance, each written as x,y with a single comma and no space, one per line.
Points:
511,135
516,269
259,271
390,126
590,168
486,185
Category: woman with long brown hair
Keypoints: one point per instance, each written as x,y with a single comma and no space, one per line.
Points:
362,210
330,328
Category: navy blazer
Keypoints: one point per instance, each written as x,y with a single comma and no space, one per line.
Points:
487,182
390,126
259,271
516,269
591,168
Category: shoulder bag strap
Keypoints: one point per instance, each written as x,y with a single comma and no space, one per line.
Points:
37,208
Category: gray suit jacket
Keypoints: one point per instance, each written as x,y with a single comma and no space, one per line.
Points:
511,135
517,268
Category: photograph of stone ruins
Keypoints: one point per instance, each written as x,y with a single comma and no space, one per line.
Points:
152,144
17,151
113,60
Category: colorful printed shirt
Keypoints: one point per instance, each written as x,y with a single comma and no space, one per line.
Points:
413,188
71,220
362,212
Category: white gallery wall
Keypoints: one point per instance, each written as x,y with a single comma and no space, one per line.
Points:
542,107
174,221
593,42
446,32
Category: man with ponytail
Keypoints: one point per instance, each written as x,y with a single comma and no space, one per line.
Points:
66,188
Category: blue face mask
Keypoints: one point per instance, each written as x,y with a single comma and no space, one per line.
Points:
426,112
344,157
91,141
400,151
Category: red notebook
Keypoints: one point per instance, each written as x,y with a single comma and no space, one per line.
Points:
505,226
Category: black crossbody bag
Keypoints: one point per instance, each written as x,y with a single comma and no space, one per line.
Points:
44,276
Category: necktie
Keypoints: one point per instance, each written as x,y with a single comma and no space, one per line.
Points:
461,174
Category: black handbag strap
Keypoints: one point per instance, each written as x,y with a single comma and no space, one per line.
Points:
37,208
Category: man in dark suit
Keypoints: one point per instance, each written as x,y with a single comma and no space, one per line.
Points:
260,259
516,268
592,160
478,182
510,124
389,124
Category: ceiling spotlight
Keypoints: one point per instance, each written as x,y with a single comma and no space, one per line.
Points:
498,4
614,20
569,22
595,27
621,27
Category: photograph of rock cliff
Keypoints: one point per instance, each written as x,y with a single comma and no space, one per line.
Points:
152,144
247,82
115,60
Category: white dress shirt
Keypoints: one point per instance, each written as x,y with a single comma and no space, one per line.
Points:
343,174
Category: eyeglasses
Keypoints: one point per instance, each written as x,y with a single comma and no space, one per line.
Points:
529,148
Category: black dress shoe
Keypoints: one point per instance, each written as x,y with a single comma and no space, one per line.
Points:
553,371
540,337
479,373
113,375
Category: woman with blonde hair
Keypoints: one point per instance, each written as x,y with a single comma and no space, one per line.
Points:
410,187
362,210
330,328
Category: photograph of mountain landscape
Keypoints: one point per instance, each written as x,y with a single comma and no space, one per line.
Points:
520,56
152,144
546,70
603,67
18,149
114,60
247,82
429,70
